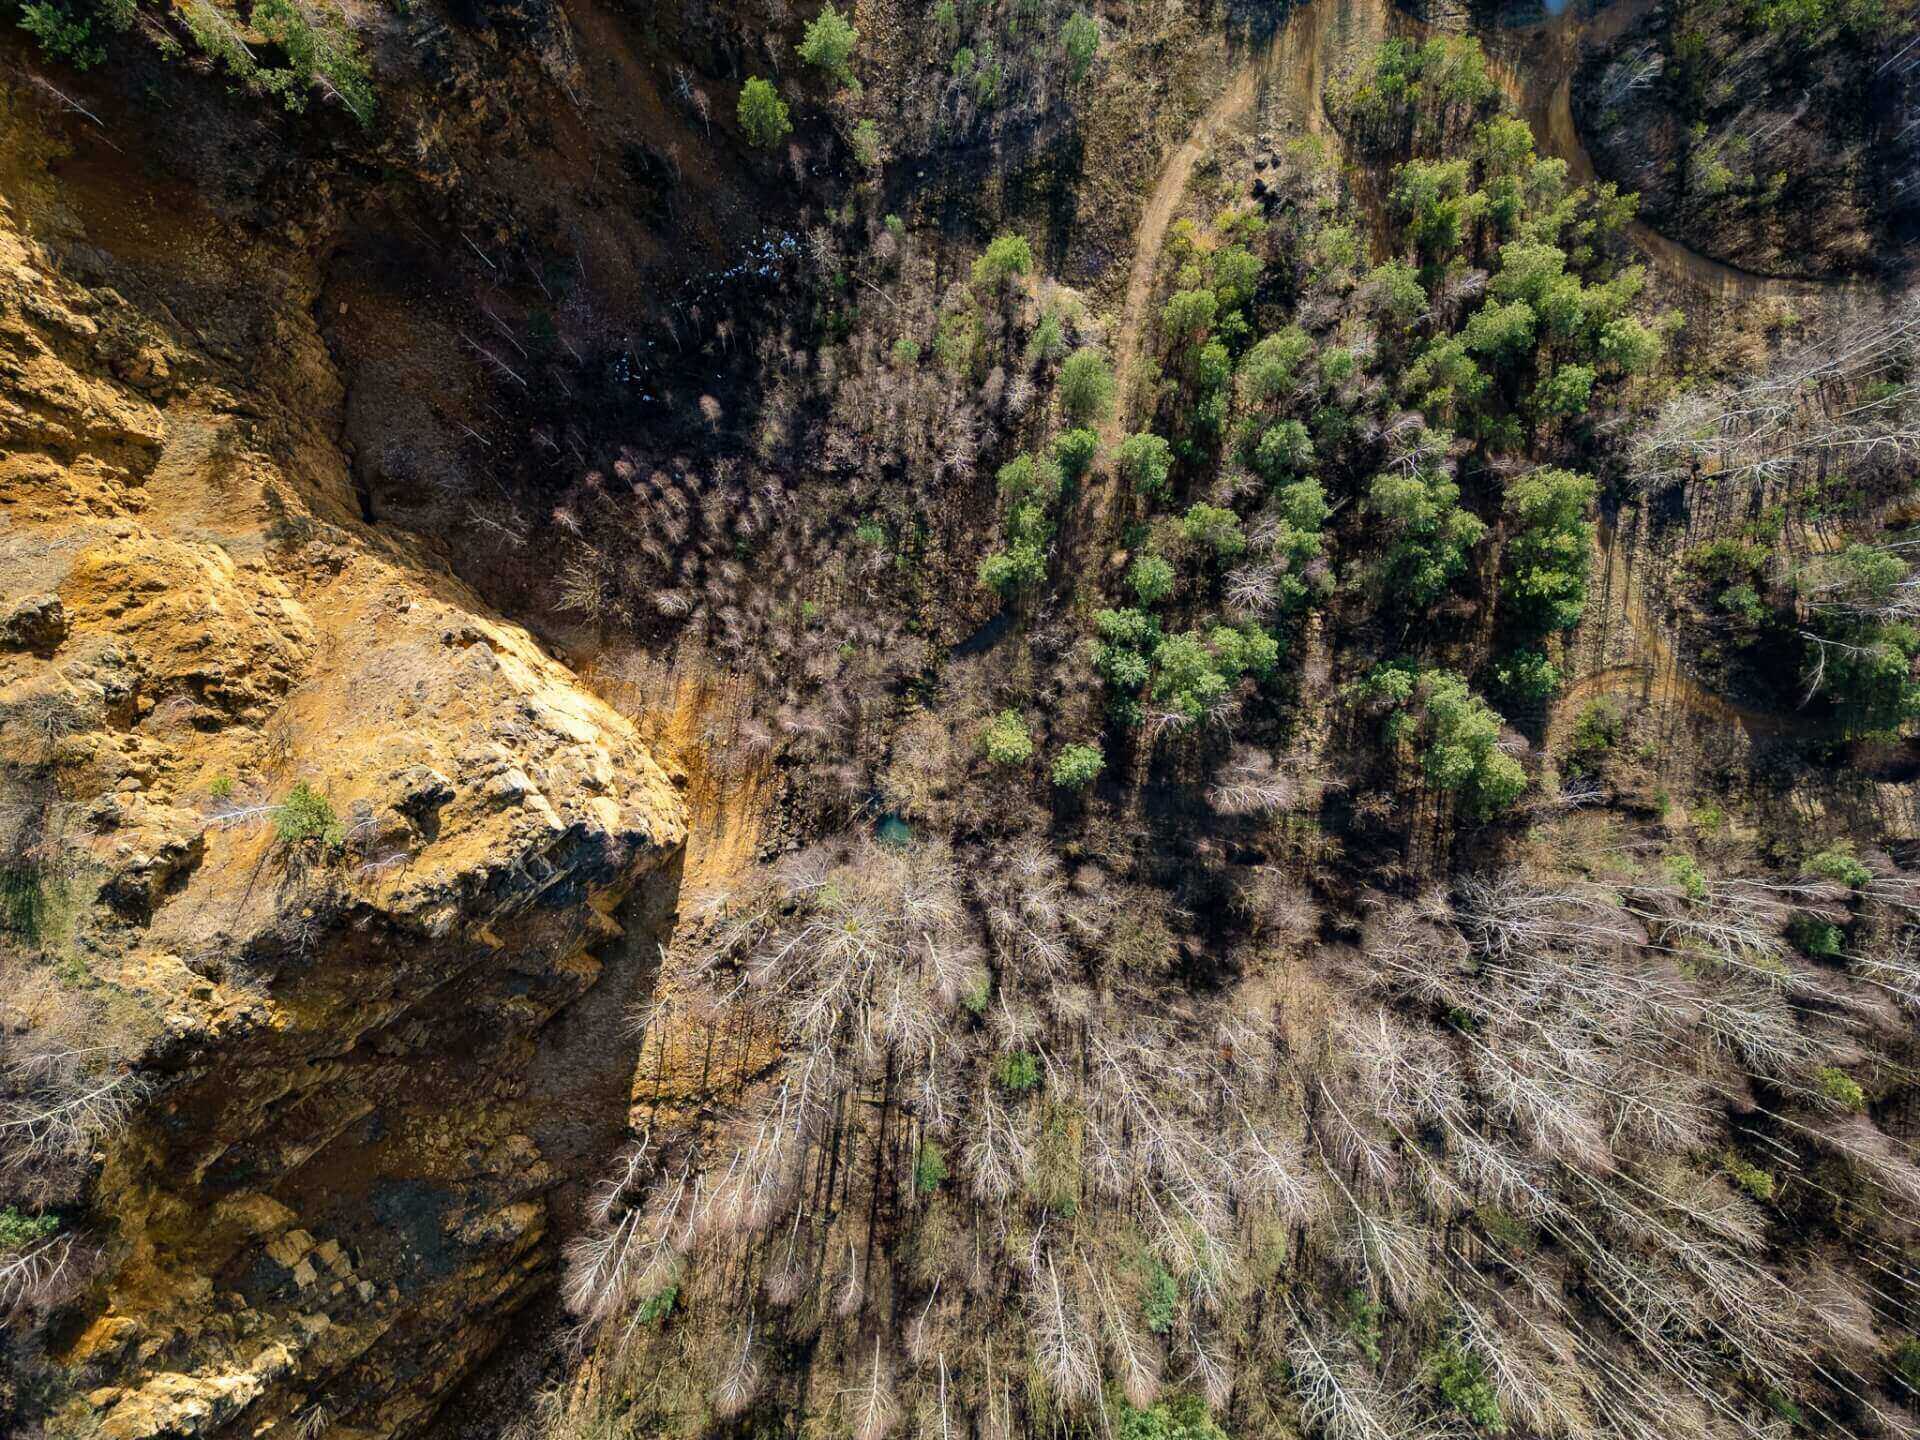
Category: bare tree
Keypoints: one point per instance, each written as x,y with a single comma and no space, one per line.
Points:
1063,1348
874,1410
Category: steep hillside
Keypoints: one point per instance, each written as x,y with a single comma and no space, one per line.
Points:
1778,137
974,717
306,850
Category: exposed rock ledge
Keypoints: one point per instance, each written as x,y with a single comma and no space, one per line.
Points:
349,1170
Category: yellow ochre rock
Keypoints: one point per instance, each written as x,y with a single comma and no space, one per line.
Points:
341,1166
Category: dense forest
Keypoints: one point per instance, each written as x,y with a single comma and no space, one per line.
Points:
1166,718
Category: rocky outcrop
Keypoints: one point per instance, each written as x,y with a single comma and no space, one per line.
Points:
348,1169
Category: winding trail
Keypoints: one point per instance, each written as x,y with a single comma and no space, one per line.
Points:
1535,67
1295,59
1657,675
1150,233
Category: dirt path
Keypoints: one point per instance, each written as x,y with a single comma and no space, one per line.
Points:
1536,66
1151,231
1293,65
1654,675
1536,70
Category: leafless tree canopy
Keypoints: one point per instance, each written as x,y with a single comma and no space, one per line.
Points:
66,1084
1515,1127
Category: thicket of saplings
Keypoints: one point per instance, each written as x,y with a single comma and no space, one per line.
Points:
1059,1137
1584,1148
290,51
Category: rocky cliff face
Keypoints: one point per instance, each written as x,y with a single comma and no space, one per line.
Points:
347,1168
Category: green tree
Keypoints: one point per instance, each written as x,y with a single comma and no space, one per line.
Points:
1186,675
1217,529
1455,733
1019,567
64,28
986,78
1271,368
1630,346
1024,477
946,22
865,143
1248,650
1006,739
929,1168
1151,578
1862,577
1840,1088
1075,450
956,338
1397,291
18,1229
1685,872
1078,766
1462,1383
1018,1071
1335,250
1506,145
1193,672
1838,864
1302,509
1500,332
1146,460
321,50
1527,676
1565,393
1303,505
1286,449
1047,341
1179,1417
1444,381
1463,734
763,114
1080,38
306,815
1159,1296
1430,534
829,42
1127,641
1439,204
1188,317
1006,259
1866,667
1530,270
1906,1360
324,56
1236,276
1086,386
1548,555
